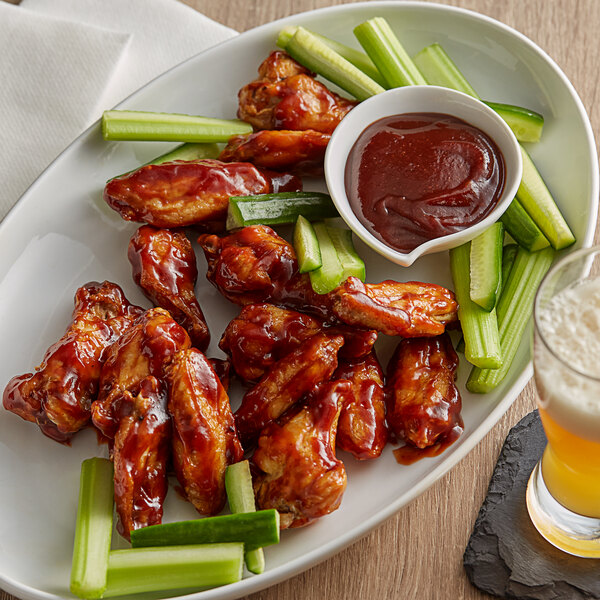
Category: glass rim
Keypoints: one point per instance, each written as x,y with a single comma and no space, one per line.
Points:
565,260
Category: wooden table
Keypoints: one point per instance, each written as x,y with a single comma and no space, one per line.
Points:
418,553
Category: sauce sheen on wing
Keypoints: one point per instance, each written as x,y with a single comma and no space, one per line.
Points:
185,193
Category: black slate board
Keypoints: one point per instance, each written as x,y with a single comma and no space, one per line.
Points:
506,556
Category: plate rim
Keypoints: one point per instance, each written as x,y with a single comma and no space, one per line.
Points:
283,572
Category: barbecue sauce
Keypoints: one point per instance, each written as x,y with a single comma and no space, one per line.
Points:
414,177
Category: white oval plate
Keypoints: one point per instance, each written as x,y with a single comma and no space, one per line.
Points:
61,235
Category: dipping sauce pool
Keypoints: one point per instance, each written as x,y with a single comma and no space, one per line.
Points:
414,177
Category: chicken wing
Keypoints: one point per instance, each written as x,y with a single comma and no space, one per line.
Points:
144,350
59,394
290,378
287,96
362,429
300,475
254,264
141,451
423,402
409,309
263,333
299,152
204,435
180,193
164,266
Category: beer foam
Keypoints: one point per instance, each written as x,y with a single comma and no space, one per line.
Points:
570,325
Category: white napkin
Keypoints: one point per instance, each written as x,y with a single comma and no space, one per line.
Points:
64,61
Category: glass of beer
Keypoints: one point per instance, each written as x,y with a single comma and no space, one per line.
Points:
563,494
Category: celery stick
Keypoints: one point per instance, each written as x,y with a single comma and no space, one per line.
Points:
330,274
438,69
359,59
539,204
153,569
311,52
306,246
93,529
388,54
254,529
352,263
533,194
514,309
166,127
480,328
509,253
240,496
486,266
522,228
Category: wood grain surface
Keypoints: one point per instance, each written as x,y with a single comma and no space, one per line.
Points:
418,553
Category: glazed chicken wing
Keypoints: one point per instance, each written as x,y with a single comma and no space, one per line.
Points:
299,152
164,266
140,453
204,435
300,475
423,402
287,96
180,193
144,350
263,333
362,429
409,309
290,378
59,394
254,265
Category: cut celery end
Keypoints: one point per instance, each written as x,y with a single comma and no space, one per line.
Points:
331,273
539,204
480,328
527,125
142,570
240,496
359,59
387,53
486,266
522,228
278,209
352,263
93,529
439,69
317,56
514,309
306,246
167,127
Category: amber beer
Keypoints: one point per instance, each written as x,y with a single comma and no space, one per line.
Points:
563,495
571,468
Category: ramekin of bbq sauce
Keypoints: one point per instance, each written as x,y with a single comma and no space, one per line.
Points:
421,169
